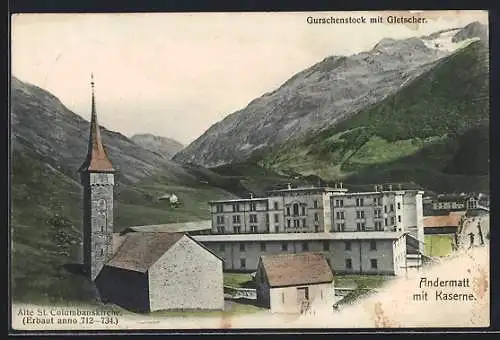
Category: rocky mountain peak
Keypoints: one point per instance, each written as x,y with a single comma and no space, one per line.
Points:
43,126
163,146
317,97
473,30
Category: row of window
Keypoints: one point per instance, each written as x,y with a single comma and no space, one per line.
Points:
360,202
361,215
296,210
348,264
373,263
340,215
361,226
237,219
253,218
305,246
254,229
296,223
237,229
253,207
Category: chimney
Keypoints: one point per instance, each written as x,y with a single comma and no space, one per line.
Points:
289,186
251,195
340,184
335,185
376,188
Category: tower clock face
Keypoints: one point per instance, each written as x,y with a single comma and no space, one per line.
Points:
101,205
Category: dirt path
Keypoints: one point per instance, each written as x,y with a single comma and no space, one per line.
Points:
471,227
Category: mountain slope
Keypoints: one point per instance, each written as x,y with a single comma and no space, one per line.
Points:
42,123
46,233
434,131
319,97
163,146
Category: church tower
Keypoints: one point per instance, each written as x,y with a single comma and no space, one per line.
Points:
97,178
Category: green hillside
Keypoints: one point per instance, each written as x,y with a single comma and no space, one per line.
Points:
46,233
433,132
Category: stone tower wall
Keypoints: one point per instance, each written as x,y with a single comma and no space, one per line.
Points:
98,221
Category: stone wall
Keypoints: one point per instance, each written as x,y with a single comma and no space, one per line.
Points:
98,221
284,300
186,277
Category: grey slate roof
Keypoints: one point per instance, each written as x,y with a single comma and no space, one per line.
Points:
171,227
139,251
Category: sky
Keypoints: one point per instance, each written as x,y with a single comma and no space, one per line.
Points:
176,74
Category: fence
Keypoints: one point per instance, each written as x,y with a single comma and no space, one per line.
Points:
238,293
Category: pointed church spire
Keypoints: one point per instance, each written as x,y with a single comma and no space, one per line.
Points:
97,159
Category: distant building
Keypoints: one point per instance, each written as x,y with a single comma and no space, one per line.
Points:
448,205
162,271
479,211
348,252
332,213
444,203
290,283
379,210
291,210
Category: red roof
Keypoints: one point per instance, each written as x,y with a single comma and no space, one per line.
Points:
97,159
451,220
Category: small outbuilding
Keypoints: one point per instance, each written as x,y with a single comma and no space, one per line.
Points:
290,283
162,271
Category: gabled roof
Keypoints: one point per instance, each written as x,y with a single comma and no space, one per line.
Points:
204,247
117,240
296,269
139,251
